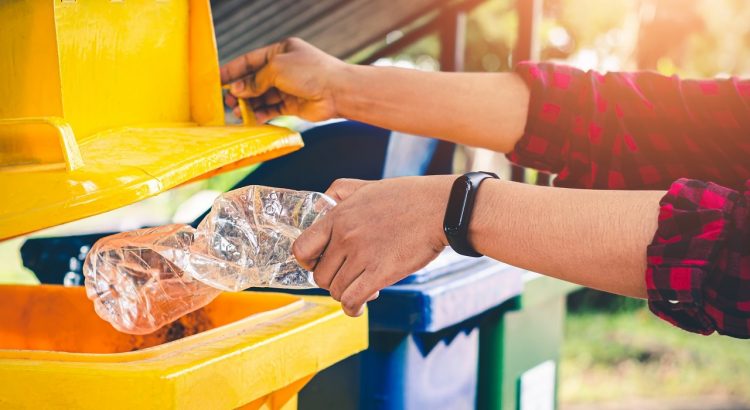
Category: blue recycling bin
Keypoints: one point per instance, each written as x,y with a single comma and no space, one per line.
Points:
424,340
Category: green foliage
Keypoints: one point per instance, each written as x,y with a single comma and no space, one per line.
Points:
693,38
224,182
615,357
491,33
590,301
12,270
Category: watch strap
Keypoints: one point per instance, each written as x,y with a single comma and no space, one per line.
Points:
457,231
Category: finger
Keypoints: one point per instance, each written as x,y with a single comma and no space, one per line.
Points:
356,295
271,97
230,100
370,299
261,111
310,245
287,106
342,188
348,272
327,268
256,103
245,64
255,84
267,113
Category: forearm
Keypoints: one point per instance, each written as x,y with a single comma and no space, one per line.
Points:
478,109
594,238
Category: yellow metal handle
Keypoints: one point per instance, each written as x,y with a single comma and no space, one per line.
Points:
71,156
248,117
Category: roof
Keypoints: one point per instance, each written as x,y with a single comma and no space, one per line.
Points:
339,27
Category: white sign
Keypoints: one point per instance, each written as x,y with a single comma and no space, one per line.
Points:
538,387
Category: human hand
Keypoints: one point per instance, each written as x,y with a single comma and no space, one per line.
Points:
291,77
379,233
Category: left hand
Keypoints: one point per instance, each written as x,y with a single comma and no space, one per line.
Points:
291,77
379,233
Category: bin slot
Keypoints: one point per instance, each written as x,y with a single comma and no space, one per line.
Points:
56,318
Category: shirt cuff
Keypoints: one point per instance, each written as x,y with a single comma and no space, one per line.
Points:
543,145
685,278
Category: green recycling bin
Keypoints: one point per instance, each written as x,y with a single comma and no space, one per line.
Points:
519,348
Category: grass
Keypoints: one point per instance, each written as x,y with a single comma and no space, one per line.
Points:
11,267
612,357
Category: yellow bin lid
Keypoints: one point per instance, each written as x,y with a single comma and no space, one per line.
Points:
105,103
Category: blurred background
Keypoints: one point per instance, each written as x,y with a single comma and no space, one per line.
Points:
616,354
693,38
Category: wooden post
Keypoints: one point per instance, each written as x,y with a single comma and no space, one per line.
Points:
527,48
453,41
452,56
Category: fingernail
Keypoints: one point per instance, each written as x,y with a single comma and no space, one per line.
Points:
238,86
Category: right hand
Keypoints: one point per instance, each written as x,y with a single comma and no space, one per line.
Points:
291,77
379,233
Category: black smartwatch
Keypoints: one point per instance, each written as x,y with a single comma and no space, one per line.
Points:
459,209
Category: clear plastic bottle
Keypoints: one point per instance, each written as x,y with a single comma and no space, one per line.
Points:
142,280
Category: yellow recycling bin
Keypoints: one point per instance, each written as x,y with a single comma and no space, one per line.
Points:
107,102
249,350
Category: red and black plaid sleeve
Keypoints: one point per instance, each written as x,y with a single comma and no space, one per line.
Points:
698,274
634,130
644,131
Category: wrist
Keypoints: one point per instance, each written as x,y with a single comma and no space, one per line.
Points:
343,85
352,96
440,189
487,205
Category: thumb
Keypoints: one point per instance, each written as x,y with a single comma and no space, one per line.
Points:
312,242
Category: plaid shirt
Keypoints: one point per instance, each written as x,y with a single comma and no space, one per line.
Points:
647,131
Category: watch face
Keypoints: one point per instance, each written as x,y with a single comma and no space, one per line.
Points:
456,205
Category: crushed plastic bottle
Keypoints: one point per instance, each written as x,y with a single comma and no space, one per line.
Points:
142,280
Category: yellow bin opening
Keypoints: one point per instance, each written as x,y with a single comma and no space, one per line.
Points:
246,349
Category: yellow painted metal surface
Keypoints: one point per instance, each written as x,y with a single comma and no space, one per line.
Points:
104,103
257,350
